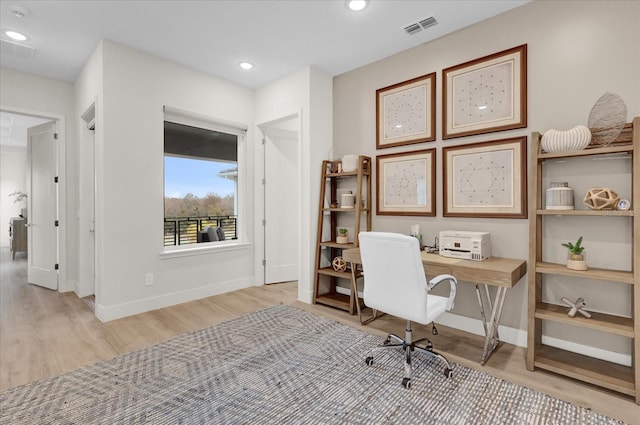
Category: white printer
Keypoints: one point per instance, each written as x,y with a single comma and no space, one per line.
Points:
465,245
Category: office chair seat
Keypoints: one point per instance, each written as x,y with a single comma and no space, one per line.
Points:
395,283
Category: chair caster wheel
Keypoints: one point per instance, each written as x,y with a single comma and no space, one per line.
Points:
406,382
369,361
387,341
448,373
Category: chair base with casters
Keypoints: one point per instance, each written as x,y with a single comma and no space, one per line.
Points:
408,346
395,283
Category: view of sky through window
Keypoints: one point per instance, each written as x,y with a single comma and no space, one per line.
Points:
198,177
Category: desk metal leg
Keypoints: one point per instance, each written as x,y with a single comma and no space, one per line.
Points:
491,338
354,289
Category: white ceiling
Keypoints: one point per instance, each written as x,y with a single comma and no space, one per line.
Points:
278,36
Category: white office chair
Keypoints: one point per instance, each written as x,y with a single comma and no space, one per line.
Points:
395,283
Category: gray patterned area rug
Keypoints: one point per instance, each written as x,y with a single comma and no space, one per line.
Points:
278,366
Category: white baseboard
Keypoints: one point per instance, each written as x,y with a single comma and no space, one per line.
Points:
108,313
519,337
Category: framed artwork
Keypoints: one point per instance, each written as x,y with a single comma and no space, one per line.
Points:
485,95
406,183
406,112
485,179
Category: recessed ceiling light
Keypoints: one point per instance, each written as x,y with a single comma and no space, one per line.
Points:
482,107
16,35
246,65
356,5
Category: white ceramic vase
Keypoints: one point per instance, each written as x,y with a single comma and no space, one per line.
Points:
574,139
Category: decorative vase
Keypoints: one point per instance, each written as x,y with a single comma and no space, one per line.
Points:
342,238
347,200
577,261
574,139
559,197
349,163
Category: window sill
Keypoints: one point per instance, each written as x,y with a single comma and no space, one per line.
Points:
206,249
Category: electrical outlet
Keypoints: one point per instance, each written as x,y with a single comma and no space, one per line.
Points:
148,279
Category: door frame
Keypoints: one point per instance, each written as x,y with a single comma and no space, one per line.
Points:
86,284
61,129
260,199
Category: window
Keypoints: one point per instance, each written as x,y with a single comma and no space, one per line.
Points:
201,183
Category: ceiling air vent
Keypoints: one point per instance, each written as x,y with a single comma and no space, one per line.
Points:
420,25
427,22
16,49
412,29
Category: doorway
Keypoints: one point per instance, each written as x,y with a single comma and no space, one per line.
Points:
35,136
282,188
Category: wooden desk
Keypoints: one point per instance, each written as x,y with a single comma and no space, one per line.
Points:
504,273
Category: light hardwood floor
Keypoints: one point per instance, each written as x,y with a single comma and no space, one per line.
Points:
44,333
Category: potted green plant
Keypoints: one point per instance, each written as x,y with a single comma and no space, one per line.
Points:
576,255
343,235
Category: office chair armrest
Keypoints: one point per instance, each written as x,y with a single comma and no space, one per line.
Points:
452,285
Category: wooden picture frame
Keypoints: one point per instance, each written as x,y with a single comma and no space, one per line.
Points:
487,179
486,94
406,112
406,183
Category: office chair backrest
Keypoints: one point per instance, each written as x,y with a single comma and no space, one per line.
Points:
394,278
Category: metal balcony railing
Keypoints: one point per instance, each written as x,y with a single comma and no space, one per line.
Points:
185,230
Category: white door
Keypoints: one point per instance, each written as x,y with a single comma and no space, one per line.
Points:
42,212
282,202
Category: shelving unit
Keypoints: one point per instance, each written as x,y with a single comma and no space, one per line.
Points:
595,371
327,289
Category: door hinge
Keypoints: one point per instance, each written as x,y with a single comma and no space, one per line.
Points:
264,140
264,182
55,179
264,262
55,136
264,222
56,267
56,223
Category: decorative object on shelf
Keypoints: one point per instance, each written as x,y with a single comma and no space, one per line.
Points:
607,118
349,163
576,255
343,235
406,112
574,139
601,198
336,166
347,200
623,205
487,179
339,264
406,183
486,94
559,197
334,204
576,307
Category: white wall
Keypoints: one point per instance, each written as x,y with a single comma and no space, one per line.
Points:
577,51
130,185
307,92
13,171
34,95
